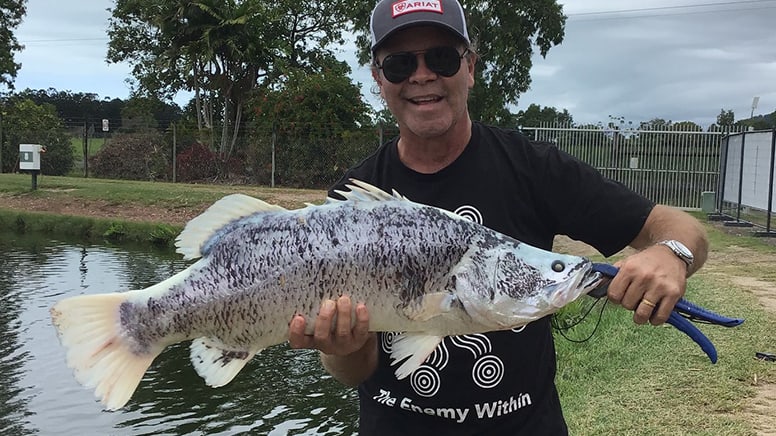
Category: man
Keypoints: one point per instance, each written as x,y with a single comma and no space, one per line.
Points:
500,382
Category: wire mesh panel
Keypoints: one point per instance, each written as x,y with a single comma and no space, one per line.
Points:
671,167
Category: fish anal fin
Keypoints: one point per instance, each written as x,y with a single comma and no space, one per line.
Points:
217,364
430,306
415,348
224,211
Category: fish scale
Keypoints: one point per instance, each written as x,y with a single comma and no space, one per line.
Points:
420,270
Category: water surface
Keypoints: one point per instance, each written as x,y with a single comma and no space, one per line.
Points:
281,391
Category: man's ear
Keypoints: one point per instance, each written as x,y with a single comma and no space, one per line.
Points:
471,60
378,80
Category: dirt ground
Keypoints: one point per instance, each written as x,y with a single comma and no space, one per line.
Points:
722,263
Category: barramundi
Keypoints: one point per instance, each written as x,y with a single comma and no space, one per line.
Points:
420,270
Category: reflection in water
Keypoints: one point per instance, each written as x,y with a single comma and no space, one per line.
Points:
279,392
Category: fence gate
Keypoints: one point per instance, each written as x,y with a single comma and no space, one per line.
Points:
671,167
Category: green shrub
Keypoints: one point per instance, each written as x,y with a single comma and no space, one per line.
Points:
136,156
115,233
163,234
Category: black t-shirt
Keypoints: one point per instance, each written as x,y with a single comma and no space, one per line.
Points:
499,382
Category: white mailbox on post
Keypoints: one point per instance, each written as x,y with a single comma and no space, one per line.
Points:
29,156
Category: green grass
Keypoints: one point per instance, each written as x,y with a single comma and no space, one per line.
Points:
170,195
625,380
118,194
94,145
644,380
90,229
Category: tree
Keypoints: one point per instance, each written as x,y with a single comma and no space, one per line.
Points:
76,107
319,123
221,49
726,118
11,14
536,116
146,113
687,126
24,122
506,34
656,124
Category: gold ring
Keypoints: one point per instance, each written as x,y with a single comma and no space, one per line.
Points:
648,303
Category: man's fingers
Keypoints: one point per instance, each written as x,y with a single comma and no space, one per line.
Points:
323,324
644,310
337,330
296,336
344,308
361,327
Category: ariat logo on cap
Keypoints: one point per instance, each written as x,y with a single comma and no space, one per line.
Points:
408,6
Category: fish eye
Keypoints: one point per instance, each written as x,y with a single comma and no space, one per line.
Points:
558,266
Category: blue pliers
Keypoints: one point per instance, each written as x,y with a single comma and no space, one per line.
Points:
683,313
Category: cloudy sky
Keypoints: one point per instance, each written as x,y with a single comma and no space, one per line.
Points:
641,59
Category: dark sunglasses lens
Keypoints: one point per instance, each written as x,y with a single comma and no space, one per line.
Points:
399,66
444,61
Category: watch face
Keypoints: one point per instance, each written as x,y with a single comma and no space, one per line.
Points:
680,250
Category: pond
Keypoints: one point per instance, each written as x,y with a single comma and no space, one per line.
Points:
281,391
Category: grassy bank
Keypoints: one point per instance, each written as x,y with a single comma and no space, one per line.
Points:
625,380
112,210
168,195
115,231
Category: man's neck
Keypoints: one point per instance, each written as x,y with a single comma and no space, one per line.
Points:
430,155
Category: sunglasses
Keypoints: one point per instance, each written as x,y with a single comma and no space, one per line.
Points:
445,61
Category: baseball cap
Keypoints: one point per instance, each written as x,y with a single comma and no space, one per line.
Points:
390,16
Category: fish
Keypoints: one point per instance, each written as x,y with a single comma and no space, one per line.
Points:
422,271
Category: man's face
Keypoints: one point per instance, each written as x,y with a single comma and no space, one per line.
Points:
426,104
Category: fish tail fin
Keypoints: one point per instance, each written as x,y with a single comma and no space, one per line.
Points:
100,356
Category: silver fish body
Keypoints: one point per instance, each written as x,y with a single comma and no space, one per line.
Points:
419,269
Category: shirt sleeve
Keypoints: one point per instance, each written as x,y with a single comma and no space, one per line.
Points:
586,206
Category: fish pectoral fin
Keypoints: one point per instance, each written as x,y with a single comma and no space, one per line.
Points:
231,208
432,305
415,348
217,364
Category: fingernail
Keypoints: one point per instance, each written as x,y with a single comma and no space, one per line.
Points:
328,305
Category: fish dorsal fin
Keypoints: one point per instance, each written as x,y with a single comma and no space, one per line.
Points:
224,211
363,191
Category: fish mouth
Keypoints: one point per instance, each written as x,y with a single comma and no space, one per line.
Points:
594,283
593,280
584,282
588,280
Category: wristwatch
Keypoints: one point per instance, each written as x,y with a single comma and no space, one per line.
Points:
680,250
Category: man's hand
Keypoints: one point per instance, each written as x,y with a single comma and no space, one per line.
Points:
336,332
348,349
650,283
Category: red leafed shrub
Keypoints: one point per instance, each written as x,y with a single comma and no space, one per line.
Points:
197,162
